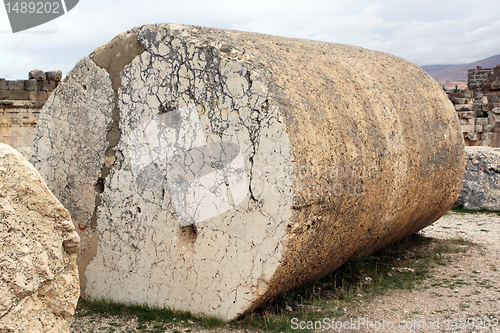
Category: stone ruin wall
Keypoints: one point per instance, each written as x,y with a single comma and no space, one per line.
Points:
20,104
478,107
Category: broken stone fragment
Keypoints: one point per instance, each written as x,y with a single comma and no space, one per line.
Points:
210,170
54,75
37,74
39,285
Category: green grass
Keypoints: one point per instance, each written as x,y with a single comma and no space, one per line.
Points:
144,314
402,265
469,211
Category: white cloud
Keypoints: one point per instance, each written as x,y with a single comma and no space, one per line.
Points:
425,31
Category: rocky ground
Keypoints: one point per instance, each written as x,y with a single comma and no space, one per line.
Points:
462,295
468,288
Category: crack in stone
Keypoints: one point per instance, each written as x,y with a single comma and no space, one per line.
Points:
225,94
113,57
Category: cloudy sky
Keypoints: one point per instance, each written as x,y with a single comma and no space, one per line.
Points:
424,31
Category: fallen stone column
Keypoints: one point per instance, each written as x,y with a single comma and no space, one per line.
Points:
39,286
210,170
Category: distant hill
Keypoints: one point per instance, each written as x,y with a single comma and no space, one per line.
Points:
442,73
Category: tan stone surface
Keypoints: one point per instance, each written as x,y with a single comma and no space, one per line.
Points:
39,285
335,150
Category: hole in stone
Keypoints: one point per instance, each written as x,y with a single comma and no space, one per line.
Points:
138,209
167,107
99,185
84,87
189,234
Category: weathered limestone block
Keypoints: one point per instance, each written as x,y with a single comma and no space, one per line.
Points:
39,285
54,75
468,128
458,100
37,74
481,182
463,107
482,121
30,85
210,170
466,114
16,84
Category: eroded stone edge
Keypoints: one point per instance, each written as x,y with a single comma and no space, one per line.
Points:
112,57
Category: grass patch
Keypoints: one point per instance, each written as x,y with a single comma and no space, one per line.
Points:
147,316
402,265
470,211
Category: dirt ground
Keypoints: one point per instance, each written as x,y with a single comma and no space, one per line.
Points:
466,289
462,296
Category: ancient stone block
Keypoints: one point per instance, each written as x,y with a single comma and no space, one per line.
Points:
481,182
477,108
494,98
46,85
38,95
481,121
487,107
466,114
3,85
30,85
493,118
488,135
15,84
463,107
39,281
210,170
467,128
489,128
4,94
50,85
37,75
19,94
458,100
54,75
472,136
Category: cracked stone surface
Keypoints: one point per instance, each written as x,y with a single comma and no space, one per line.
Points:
481,182
39,285
216,169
